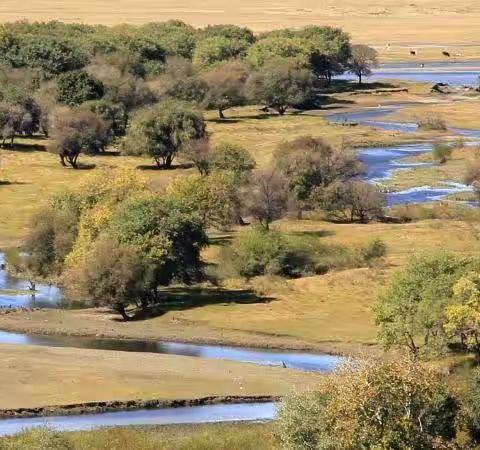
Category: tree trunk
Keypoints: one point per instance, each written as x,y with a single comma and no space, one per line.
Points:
359,78
62,161
120,308
168,161
220,114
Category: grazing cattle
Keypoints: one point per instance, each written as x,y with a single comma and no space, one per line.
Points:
413,52
446,54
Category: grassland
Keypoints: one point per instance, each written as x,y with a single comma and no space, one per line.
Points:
428,26
332,312
39,376
29,175
237,436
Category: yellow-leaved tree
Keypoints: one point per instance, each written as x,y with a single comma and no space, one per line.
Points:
462,317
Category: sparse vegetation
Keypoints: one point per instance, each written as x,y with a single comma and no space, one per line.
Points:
432,122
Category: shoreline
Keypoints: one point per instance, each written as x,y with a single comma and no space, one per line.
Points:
77,409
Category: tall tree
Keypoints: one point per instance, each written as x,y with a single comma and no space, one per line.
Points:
363,59
281,84
226,86
161,131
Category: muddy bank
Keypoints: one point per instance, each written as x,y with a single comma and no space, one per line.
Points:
76,409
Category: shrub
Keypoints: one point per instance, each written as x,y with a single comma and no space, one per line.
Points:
37,438
441,152
391,404
373,250
258,252
437,210
432,122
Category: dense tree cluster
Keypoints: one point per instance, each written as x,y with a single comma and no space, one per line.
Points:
121,73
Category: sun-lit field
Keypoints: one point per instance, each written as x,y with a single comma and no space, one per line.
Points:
30,175
428,26
58,376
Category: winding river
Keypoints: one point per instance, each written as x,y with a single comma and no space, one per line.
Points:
379,164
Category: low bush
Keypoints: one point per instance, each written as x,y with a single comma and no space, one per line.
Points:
373,250
441,152
258,252
437,210
394,404
432,122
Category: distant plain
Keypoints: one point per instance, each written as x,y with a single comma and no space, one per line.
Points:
427,26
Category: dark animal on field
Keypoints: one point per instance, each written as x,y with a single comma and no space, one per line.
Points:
413,53
446,54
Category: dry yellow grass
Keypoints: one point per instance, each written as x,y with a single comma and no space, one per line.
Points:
426,25
31,177
55,376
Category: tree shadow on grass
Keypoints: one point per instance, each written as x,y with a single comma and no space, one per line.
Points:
226,121
154,167
185,298
85,166
313,233
25,148
12,183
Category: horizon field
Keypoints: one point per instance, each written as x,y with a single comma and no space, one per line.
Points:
426,22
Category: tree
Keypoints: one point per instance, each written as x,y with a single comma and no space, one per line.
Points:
19,116
278,48
114,116
281,84
52,55
75,132
174,36
51,235
310,165
267,197
225,156
75,88
229,32
180,80
213,199
213,50
233,158
410,313
363,59
226,86
112,275
330,50
168,239
161,131
462,316
357,199
385,404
